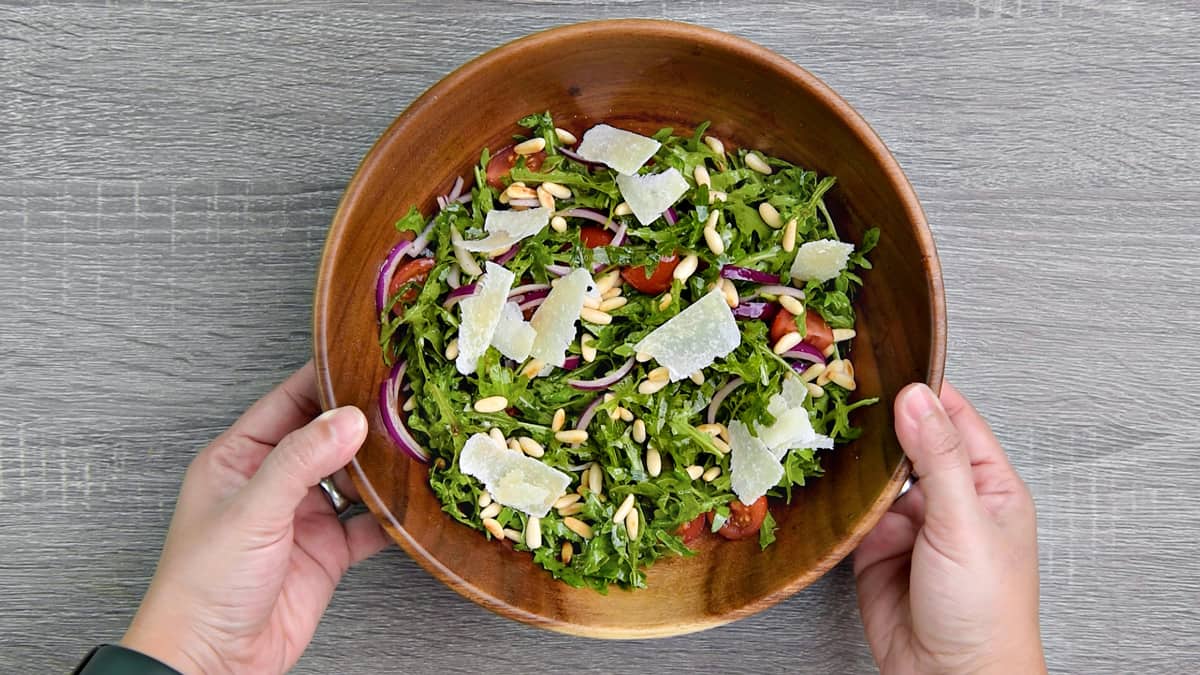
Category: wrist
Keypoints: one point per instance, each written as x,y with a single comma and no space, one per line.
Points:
163,640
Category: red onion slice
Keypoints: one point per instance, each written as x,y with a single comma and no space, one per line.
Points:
577,157
455,191
386,271
719,398
756,310
588,413
606,381
421,242
619,236
526,289
558,270
572,362
588,214
669,216
805,352
441,202
390,411
746,274
457,295
511,253
781,290
531,203
463,199
531,304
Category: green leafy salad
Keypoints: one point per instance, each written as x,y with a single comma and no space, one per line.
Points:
610,347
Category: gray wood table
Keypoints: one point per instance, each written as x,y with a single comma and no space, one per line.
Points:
167,173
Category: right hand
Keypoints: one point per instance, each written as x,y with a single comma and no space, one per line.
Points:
948,579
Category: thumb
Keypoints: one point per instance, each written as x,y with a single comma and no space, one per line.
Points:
301,460
939,457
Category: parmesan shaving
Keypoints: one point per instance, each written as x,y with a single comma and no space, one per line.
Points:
648,196
623,151
513,479
695,338
506,228
480,316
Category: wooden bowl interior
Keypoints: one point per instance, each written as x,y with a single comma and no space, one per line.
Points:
641,75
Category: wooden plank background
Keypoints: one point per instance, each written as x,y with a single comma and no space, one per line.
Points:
167,172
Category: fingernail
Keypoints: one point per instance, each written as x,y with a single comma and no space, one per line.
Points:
345,422
920,402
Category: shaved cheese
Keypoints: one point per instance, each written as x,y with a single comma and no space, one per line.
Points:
792,428
623,151
513,479
506,228
648,196
752,468
514,336
694,338
480,316
821,260
555,319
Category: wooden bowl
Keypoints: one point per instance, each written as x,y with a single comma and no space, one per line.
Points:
640,75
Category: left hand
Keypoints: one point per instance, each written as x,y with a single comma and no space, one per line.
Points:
255,550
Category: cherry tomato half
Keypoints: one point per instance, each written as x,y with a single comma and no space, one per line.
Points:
504,160
592,236
744,521
816,332
691,531
415,270
652,284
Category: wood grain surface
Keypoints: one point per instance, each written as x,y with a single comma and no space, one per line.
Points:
167,173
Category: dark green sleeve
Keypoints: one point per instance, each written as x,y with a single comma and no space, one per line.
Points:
117,660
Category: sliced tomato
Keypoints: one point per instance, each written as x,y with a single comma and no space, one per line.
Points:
652,284
816,332
744,521
593,236
504,160
415,270
691,531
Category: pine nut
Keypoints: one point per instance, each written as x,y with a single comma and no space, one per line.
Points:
835,366
532,369
789,236
410,404
533,532
531,447
710,429
659,374
786,342
792,305
753,161
558,224
567,551
595,316
828,351
578,527
530,146
608,281
560,418
665,302
587,348
770,215
514,445
566,138
513,535
491,404
516,191
623,209
639,431
843,334
812,372
545,199
848,367
596,478
701,175
722,446
571,509
823,378
613,303
608,396
730,292
626,414
844,381
632,523
715,145
615,413
497,436
711,474
452,350
485,498
566,500
697,377
503,198
572,436
716,195
611,293
491,510
714,241
624,509
591,302
651,387
694,471
815,390
493,527
653,462
686,267
556,190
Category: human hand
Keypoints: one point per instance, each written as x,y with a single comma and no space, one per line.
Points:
255,550
948,579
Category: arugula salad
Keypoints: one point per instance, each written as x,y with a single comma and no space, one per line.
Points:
607,347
